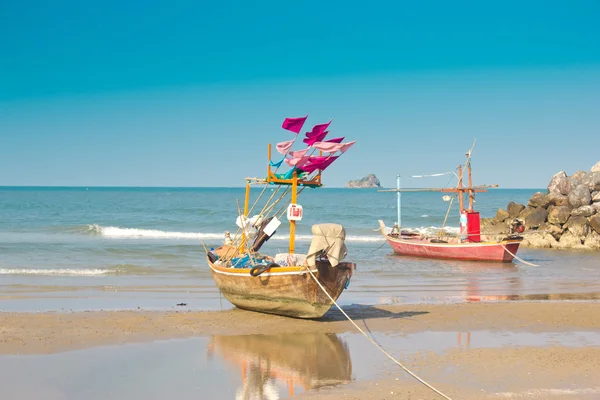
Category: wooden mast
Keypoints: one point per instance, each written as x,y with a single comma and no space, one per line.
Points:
292,222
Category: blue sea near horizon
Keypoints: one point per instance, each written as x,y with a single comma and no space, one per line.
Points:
76,248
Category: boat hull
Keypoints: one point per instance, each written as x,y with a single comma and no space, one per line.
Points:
483,251
288,291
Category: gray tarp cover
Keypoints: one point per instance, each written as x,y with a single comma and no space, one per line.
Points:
330,238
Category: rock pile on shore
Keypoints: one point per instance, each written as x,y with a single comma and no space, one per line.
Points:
567,216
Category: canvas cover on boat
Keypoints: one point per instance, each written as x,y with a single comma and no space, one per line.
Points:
330,239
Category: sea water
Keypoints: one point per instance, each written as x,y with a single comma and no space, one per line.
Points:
77,248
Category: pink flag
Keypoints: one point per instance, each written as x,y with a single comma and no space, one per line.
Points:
336,140
283,147
318,129
297,161
294,124
298,153
316,138
346,146
327,147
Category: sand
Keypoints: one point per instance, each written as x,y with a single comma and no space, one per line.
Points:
556,372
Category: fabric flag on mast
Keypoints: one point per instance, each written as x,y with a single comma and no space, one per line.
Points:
318,163
336,140
317,133
297,161
346,146
294,124
327,147
298,153
284,147
313,139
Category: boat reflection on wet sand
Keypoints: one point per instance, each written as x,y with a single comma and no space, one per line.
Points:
269,362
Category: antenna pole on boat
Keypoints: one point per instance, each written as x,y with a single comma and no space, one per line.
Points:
398,197
471,195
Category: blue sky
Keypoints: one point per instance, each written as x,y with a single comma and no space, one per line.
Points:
189,93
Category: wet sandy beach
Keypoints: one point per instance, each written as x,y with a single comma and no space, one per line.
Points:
472,351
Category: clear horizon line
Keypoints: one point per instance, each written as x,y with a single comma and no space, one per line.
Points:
213,187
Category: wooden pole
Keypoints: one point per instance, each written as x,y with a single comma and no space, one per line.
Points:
269,162
246,201
293,201
471,196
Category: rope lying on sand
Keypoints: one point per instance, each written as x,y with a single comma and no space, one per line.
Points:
375,343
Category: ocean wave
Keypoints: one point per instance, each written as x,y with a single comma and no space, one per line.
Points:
120,269
116,232
136,233
57,272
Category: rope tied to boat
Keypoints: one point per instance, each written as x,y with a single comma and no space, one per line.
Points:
375,343
408,371
515,256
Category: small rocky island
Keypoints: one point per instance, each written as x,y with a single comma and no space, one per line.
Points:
567,216
369,181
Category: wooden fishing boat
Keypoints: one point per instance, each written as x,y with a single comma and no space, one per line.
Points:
309,360
469,244
288,284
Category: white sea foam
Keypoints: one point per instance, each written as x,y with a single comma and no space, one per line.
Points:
135,233
56,272
116,232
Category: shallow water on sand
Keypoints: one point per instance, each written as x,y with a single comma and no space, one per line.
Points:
262,366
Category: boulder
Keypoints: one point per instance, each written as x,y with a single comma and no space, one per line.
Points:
535,218
539,200
558,199
592,241
596,167
594,223
539,240
595,196
569,241
559,183
495,229
559,215
515,209
578,226
596,206
592,180
555,230
579,196
501,216
579,175
583,211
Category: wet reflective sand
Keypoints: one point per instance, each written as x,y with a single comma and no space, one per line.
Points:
278,366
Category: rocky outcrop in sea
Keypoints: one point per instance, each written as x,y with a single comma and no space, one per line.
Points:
567,216
369,181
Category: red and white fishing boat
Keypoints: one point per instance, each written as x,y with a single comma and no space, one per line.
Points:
470,244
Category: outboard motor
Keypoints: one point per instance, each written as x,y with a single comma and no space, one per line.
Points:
267,228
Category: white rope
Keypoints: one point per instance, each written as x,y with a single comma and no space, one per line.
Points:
375,343
515,256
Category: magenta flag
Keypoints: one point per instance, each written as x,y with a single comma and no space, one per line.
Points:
327,147
318,129
336,140
284,147
346,146
316,138
298,153
294,124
